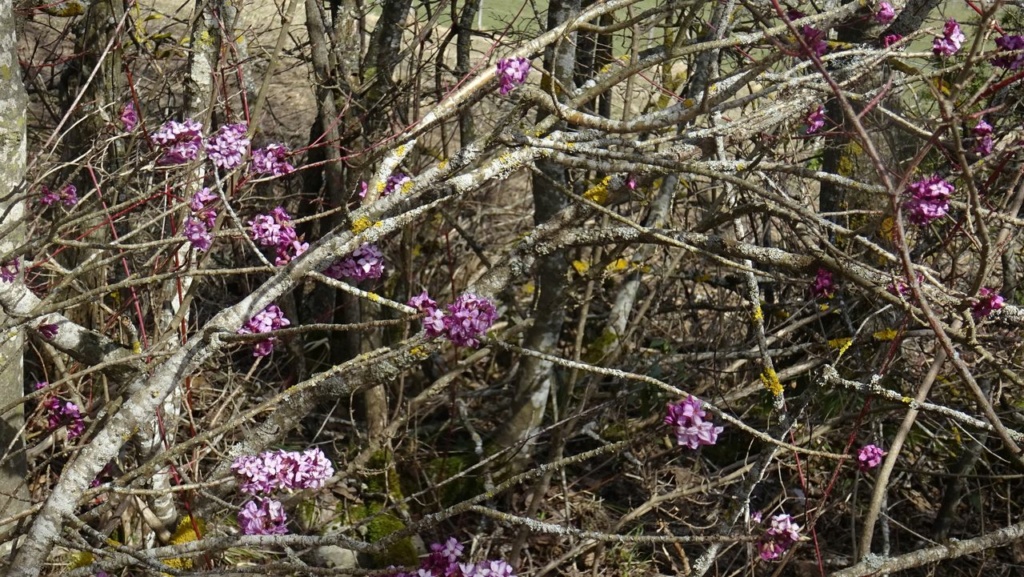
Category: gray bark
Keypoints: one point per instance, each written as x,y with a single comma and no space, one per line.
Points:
13,102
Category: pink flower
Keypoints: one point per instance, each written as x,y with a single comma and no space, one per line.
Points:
263,517
1010,43
824,285
780,536
367,262
271,160
687,420
227,147
987,302
869,457
468,317
276,230
180,141
891,39
885,13
129,118
929,200
511,73
816,120
983,138
951,40
813,37
267,320
422,302
197,234
9,271
282,470
48,331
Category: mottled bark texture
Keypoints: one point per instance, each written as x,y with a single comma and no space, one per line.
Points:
550,183
13,100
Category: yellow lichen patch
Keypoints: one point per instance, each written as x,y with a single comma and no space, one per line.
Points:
360,224
884,335
529,288
442,165
407,187
907,400
888,229
186,532
580,266
419,353
758,314
840,344
136,348
373,297
770,380
599,192
80,559
380,188
65,9
400,151
781,314
617,265
823,307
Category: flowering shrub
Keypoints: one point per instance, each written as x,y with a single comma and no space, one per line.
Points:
60,412
276,230
282,470
129,117
267,320
983,138
988,300
824,286
816,120
951,40
228,146
511,73
687,419
263,517
465,320
885,13
929,200
180,142
814,38
443,561
271,160
869,457
1010,43
366,262
778,538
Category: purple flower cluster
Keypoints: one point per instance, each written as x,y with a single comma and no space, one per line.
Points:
511,73
197,227
180,142
276,230
283,470
227,147
929,200
10,270
901,288
267,320
782,535
466,319
988,301
951,41
1010,43
395,183
366,262
271,160
891,39
691,428
813,37
869,457
272,471
129,117
824,285
816,120
263,517
68,196
983,142
60,412
885,13
48,331
443,561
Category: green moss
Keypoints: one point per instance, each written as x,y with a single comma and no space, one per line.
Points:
599,347
466,486
380,525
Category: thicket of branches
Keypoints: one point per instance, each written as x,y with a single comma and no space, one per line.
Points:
805,216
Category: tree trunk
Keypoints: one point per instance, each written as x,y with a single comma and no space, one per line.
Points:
13,102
